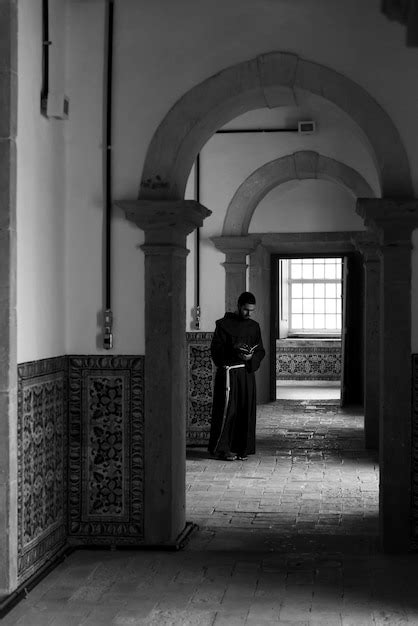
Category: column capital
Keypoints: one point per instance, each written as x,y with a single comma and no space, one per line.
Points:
392,219
236,250
367,244
165,220
235,246
234,266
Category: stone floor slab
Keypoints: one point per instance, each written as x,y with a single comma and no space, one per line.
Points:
288,537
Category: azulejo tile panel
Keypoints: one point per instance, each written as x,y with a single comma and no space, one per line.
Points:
42,462
308,363
200,376
106,445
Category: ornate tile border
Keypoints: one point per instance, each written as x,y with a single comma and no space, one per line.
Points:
106,448
42,462
200,375
308,363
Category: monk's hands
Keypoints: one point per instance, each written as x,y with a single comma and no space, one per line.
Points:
245,353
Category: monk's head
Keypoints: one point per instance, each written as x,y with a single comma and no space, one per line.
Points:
246,305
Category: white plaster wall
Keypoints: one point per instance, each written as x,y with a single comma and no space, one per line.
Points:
85,294
162,49
40,204
166,47
297,206
306,206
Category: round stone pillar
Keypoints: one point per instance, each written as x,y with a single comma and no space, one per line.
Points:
367,245
166,225
393,221
236,250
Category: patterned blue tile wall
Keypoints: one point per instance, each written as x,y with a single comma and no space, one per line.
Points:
80,455
42,462
200,375
308,360
106,443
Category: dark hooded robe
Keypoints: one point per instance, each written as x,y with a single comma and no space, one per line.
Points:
233,424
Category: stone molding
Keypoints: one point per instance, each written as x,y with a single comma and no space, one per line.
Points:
287,243
308,243
155,250
268,79
301,165
367,244
392,219
239,245
165,220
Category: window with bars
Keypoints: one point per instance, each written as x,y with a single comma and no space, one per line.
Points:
315,296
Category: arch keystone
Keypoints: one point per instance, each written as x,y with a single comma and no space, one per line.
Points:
277,72
306,164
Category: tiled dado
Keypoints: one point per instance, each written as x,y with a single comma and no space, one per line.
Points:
308,360
42,462
80,455
200,375
106,444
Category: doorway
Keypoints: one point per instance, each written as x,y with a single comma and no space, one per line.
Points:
317,328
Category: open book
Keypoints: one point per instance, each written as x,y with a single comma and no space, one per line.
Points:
246,349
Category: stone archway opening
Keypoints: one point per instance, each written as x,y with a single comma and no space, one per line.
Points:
271,78
301,165
237,244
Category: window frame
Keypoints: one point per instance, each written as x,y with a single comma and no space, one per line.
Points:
313,333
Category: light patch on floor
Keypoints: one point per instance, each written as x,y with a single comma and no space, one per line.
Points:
308,390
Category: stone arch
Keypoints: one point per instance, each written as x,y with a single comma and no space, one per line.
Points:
267,80
299,165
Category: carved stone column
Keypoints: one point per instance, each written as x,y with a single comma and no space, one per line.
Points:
236,250
166,225
367,244
393,221
260,286
9,493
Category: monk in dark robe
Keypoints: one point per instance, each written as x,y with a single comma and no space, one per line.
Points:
237,351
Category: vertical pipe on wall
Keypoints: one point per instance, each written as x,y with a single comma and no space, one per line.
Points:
107,183
45,54
197,255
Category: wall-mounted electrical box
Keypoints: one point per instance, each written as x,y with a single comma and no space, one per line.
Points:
306,127
57,106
